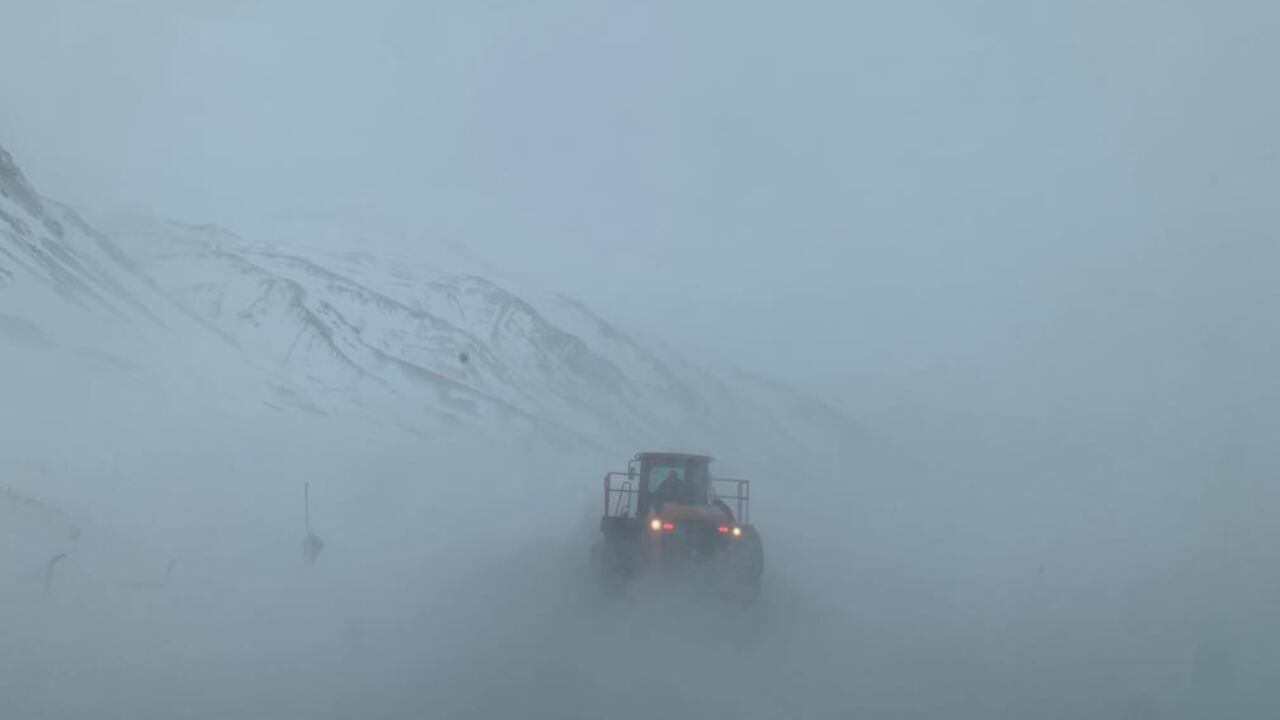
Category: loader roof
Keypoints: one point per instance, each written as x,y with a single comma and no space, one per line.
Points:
681,455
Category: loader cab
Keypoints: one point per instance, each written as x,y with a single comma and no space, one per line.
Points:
671,477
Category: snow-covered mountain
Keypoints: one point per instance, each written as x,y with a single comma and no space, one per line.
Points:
56,271
64,284
411,346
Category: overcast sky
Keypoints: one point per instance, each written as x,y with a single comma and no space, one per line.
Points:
919,209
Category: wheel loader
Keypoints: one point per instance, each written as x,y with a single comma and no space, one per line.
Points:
667,517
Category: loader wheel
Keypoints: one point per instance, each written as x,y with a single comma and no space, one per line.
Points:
608,567
596,564
753,554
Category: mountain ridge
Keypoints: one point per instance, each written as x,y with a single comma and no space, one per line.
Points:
427,349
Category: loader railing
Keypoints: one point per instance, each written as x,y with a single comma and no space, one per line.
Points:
741,496
619,501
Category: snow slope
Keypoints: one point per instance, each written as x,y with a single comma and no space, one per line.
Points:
416,346
55,272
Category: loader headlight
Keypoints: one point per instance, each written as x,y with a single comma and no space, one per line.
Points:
737,532
655,524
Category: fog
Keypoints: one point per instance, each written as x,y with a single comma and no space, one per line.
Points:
1016,259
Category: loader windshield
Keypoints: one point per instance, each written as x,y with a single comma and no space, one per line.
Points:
665,478
679,478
